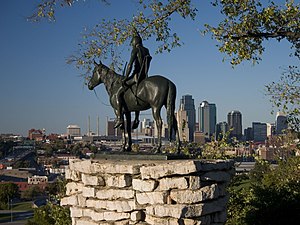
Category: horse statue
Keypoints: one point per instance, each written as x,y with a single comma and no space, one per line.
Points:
153,92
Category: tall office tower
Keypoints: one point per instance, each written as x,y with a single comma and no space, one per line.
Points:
187,104
234,120
259,131
221,129
281,122
207,117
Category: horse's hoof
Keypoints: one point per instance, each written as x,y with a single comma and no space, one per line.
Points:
128,149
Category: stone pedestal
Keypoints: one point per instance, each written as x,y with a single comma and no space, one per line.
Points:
185,192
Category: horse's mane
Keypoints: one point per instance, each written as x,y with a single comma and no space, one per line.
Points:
110,77
111,73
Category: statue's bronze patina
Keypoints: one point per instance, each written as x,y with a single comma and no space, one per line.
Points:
140,58
152,92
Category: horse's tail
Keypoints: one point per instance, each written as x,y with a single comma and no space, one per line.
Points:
172,122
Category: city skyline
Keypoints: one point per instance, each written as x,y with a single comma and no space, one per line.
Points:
39,90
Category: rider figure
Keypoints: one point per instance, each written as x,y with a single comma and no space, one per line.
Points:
141,58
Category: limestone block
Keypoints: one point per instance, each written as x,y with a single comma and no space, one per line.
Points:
73,188
195,196
172,183
116,205
115,168
137,215
115,216
88,192
92,180
161,221
114,194
217,165
119,181
81,200
143,185
76,212
218,176
151,198
86,222
72,175
183,167
175,211
71,200
187,211
82,166
194,182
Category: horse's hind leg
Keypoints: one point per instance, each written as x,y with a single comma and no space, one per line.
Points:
136,121
128,130
158,121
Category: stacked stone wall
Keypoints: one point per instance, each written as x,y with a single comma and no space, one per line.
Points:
184,192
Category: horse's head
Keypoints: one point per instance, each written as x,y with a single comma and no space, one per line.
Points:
95,80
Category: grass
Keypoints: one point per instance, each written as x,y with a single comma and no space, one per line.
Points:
22,206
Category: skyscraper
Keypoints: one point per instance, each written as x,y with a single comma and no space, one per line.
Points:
207,117
259,131
221,129
234,120
187,104
281,123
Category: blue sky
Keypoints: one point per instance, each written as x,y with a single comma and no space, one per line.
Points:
39,90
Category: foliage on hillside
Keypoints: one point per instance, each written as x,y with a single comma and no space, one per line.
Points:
268,196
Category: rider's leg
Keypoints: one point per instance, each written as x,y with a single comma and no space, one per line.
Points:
119,113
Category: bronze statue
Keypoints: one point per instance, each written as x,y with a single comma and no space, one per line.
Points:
152,92
140,59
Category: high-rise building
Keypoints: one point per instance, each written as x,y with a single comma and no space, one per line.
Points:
234,120
221,129
259,131
207,118
281,122
187,104
248,134
183,129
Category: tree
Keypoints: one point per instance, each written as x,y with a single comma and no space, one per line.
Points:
272,195
7,192
285,94
50,215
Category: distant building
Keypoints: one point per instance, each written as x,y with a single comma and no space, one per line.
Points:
73,131
221,130
248,134
234,120
271,129
38,180
199,137
281,123
37,135
207,118
259,131
183,129
111,131
187,104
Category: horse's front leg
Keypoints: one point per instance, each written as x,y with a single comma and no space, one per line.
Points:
128,130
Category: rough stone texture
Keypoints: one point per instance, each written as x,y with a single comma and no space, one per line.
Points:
179,192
